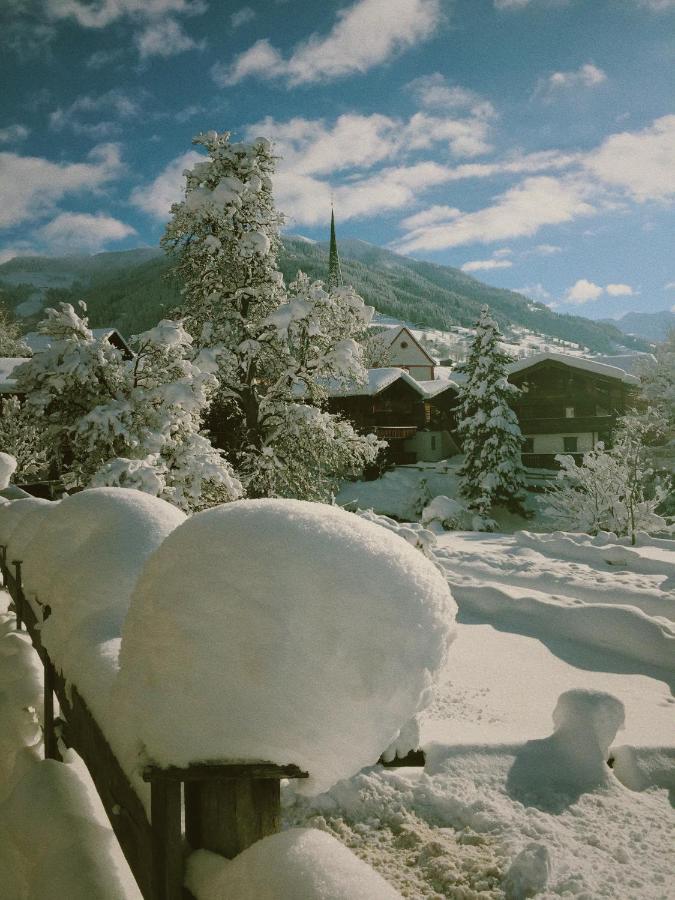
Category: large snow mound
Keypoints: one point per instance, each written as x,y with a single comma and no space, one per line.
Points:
11,517
86,557
299,864
291,632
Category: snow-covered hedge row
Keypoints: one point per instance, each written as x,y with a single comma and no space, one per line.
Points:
278,630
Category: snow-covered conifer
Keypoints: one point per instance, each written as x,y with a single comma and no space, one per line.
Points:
492,472
21,436
272,347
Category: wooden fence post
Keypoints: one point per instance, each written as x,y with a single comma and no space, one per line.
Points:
167,839
18,599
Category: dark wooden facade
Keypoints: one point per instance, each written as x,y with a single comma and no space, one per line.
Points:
563,401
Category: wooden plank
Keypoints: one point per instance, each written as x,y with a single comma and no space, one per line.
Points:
208,771
49,732
226,816
124,809
167,840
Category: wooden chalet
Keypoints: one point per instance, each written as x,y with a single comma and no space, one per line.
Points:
397,346
567,405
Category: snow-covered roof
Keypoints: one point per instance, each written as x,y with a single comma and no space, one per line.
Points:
437,386
626,361
378,381
7,366
37,341
576,362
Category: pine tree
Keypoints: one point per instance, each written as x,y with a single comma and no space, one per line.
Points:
492,472
273,348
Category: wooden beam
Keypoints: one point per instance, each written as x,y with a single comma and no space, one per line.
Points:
167,840
222,771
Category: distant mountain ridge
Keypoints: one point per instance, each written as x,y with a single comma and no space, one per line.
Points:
127,290
651,326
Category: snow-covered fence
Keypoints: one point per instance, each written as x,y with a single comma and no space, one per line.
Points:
261,632
225,808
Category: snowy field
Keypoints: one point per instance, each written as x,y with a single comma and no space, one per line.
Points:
510,803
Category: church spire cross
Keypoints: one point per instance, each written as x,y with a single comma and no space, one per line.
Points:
334,272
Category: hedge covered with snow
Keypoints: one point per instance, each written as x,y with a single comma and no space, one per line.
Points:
284,631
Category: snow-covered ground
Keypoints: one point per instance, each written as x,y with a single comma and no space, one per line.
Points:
513,802
498,810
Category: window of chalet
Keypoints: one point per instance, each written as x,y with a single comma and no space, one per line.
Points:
569,412
528,445
403,345
570,444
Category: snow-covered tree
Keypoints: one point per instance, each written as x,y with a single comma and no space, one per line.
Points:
492,472
133,423
657,379
613,489
11,343
274,348
21,436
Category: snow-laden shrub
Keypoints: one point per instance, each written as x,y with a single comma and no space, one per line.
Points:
7,469
613,489
126,423
415,534
291,632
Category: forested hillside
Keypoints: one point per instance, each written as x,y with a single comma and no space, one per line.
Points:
130,291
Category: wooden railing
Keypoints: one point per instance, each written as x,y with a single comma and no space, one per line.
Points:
225,807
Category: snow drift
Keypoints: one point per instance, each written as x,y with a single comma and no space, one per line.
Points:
289,632
299,864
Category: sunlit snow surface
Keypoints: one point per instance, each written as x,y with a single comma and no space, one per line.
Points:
503,808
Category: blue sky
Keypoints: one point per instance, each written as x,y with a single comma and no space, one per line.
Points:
530,142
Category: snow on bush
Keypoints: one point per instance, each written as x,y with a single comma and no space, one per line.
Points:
412,532
288,631
298,864
7,469
12,515
86,558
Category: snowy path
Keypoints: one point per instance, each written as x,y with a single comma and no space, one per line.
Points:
619,601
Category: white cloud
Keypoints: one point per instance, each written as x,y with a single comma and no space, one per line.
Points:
519,212
13,133
639,162
83,116
670,286
82,231
105,12
619,290
587,76
582,291
658,5
165,38
156,198
31,186
545,250
430,216
480,265
367,33
242,16
434,92
511,4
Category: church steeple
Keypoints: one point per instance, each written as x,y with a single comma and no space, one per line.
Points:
334,273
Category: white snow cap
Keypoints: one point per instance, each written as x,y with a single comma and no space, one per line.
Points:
290,632
89,551
7,469
299,864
